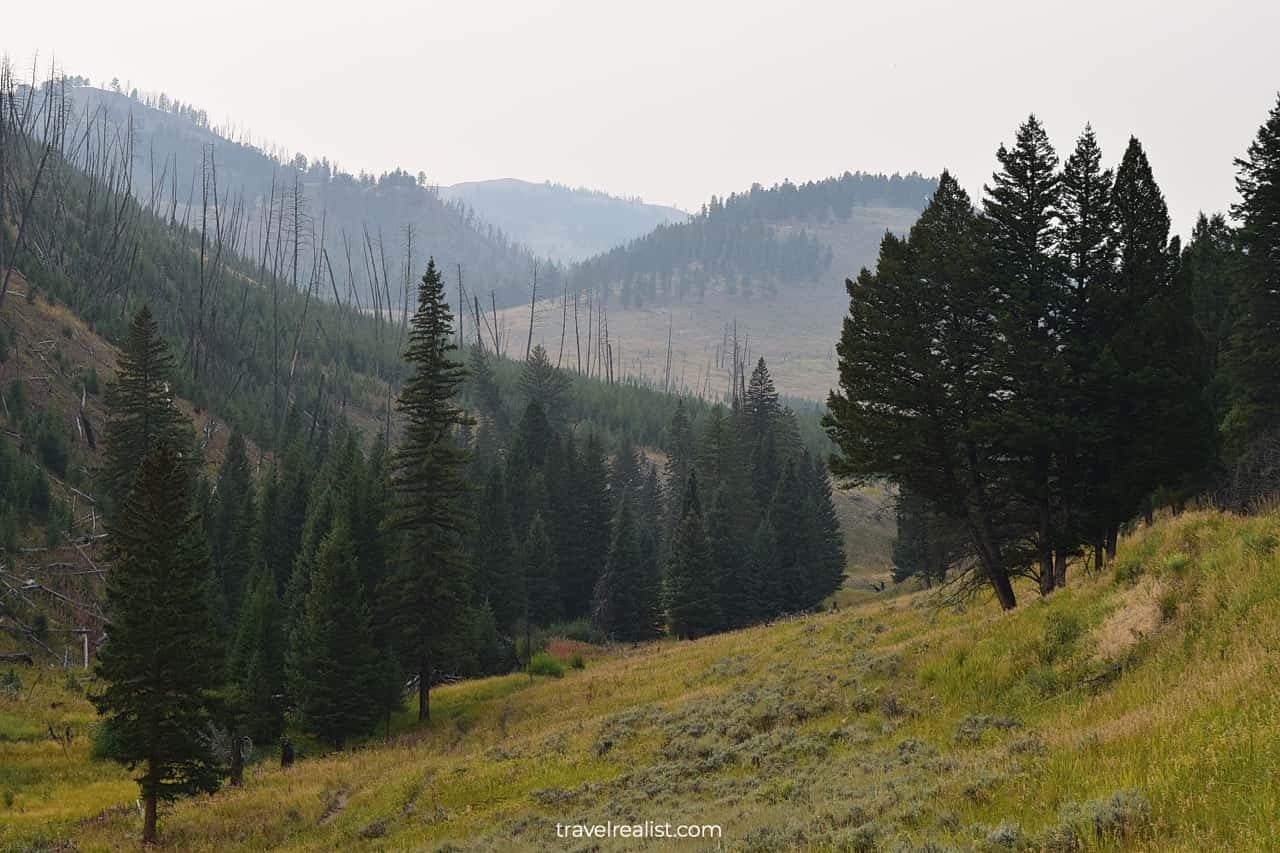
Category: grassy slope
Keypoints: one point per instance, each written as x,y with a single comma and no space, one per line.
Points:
794,331
887,721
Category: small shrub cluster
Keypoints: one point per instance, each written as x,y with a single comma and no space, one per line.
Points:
11,683
971,729
1117,817
545,664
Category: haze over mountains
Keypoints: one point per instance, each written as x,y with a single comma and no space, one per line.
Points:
768,262
558,222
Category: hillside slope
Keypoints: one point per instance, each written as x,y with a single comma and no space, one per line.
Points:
556,222
886,725
793,325
172,141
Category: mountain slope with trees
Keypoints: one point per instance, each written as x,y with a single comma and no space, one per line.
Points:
374,226
764,267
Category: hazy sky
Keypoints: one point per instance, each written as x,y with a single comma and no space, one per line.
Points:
675,101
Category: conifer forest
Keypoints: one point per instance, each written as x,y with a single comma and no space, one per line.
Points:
367,507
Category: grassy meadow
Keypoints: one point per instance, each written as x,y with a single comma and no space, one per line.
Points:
1135,710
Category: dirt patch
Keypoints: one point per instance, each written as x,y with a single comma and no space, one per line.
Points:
1136,617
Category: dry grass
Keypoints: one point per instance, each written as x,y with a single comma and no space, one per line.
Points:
887,725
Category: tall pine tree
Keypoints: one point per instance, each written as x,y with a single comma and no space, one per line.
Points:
1254,352
162,662
690,592
141,414
429,589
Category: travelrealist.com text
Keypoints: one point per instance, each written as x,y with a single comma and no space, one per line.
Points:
646,829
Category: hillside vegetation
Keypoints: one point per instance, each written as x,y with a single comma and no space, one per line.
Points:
793,322
367,215
1129,711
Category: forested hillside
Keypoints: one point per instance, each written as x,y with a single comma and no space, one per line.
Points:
279,201
735,244
367,510
760,271
558,222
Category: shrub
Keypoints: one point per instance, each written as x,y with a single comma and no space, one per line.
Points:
48,433
1061,633
91,381
1127,571
1258,543
545,664
11,683
17,401
577,661
1176,564
1118,816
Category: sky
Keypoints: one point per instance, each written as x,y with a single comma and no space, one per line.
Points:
676,101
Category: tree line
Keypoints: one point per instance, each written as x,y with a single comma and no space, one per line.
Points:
1038,371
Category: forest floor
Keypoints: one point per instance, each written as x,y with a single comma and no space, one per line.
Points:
1134,710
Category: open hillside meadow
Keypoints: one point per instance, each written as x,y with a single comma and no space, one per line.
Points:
1134,710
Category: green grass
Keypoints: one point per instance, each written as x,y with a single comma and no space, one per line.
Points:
1135,710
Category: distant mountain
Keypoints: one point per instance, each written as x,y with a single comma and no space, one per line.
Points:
768,262
174,145
558,222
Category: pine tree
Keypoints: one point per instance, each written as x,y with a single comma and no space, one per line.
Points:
1254,352
919,399
1211,269
1022,206
626,606
488,396
335,663
498,580
256,663
162,662
766,468
535,434
232,524
690,590
431,582
787,515
766,578
761,405
1162,425
141,415
1086,251
285,499
681,452
542,592
625,477
594,524
736,586
544,384
824,542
